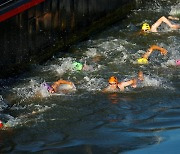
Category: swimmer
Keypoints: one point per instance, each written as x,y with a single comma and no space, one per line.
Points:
79,66
154,27
144,59
60,86
115,86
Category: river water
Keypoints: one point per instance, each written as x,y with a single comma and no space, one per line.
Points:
141,120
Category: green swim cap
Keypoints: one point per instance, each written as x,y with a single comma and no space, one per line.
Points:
77,66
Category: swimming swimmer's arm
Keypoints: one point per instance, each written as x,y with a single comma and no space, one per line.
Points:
124,84
162,50
152,48
159,22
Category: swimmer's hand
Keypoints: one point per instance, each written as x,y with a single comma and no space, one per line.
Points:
173,18
52,91
175,26
134,84
164,52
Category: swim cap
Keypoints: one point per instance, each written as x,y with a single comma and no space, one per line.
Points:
113,79
142,61
77,66
47,86
1,124
178,62
145,27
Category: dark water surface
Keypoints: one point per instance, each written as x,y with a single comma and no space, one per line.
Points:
141,120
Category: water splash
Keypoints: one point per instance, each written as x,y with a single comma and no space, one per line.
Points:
65,65
92,84
92,52
175,10
157,82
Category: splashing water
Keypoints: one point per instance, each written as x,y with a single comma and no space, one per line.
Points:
175,10
92,84
89,119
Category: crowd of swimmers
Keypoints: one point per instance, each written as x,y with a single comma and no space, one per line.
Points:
114,85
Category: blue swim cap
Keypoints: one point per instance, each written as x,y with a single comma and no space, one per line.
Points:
77,66
47,86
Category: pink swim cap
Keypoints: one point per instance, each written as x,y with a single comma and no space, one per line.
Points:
178,62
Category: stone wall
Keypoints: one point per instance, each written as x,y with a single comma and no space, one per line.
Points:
36,34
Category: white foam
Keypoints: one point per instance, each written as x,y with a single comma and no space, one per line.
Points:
148,81
92,52
175,10
43,91
92,84
156,82
66,64
29,90
170,62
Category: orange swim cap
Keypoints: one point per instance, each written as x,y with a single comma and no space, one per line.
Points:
113,79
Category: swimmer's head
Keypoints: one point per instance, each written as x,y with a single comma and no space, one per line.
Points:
77,66
113,80
178,62
142,61
145,27
48,87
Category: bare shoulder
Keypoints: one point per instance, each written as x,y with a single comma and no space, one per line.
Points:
110,90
